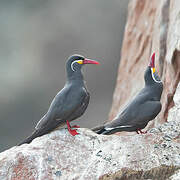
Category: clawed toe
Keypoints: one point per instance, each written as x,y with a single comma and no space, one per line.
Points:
73,132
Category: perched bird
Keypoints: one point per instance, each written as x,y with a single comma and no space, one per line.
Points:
143,108
69,104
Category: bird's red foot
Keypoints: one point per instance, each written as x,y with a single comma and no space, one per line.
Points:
140,132
73,132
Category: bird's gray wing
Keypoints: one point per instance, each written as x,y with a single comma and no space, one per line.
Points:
62,106
80,111
146,112
136,116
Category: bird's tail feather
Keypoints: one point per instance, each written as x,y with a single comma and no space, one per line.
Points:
116,129
107,131
98,129
28,140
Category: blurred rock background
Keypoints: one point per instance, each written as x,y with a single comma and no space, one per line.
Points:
36,37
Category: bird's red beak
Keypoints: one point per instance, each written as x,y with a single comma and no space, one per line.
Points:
89,61
152,61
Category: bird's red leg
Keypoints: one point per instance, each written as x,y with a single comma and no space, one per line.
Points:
73,132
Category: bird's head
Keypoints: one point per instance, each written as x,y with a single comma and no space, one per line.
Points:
75,63
151,76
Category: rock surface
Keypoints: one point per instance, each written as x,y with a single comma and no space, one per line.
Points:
152,26
58,155
89,156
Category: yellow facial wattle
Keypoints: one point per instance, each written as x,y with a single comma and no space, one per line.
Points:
80,61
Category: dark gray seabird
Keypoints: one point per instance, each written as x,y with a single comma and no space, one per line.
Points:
142,109
69,104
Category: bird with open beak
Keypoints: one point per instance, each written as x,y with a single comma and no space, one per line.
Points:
69,104
144,107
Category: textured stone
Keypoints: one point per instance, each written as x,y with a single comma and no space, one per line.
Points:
174,113
161,173
176,176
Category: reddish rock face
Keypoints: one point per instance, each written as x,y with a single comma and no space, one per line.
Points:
152,26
